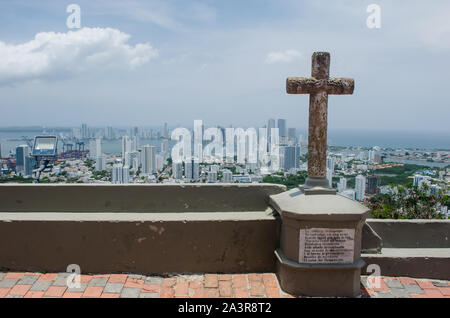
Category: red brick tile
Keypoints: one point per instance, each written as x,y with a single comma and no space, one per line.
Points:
72,295
199,293
102,276
241,293
48,277
225,289
211,292
169,282
34,294
118,278
134,283
256,289
85,278
240,281
425,284
110,295
211,281
14,275
407,280
254,277
4,292
444,291
150,288
19,290
195,285
270,280
55,291
434,293
92,291
272,292
418,296
182,289
225,277
167,292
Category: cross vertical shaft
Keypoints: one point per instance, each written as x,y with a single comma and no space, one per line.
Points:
318,118
319,86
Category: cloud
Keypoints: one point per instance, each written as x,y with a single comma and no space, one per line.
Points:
52,54
282,56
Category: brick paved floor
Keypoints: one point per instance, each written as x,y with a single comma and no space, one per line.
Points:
36,285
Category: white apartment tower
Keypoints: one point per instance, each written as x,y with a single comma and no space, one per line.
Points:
360,187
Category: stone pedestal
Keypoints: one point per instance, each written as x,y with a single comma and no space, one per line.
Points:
320,248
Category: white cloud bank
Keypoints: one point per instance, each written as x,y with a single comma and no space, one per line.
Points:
52,54
282,56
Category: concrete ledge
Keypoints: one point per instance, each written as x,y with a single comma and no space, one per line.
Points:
154,243
412,233
411,262
160,198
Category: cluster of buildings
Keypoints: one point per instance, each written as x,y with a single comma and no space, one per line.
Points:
150,164
85,132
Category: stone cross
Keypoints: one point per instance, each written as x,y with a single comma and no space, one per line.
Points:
318,86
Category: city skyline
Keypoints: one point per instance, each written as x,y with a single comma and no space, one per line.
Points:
190,59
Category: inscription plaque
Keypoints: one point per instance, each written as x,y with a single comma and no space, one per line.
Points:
326,246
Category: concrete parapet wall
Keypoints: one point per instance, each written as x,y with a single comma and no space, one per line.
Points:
136,198
412,233
155,243
152,229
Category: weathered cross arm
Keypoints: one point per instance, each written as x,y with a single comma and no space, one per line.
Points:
309,85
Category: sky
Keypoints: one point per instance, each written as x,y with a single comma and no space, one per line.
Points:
226,62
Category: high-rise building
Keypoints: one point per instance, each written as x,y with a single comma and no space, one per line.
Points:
148,159
227,176
100,163
360,187
289,157
134,143
159,162
165,148
292,136
120,174
342,185
29,165
330,177
212,176
372,184
84,131
192,169
109,133
270,125
282,130
330,163
177,170
126,146
22,152
165,131
95,148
